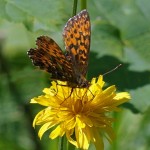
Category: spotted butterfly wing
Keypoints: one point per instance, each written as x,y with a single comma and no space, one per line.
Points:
76,35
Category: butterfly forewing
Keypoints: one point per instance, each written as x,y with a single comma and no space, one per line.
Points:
76,36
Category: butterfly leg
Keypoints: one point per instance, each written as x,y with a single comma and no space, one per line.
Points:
68,96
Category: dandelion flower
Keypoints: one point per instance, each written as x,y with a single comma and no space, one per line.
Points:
80,114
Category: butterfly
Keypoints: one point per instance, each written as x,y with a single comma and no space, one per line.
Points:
70,66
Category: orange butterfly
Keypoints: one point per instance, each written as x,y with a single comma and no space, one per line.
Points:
70,66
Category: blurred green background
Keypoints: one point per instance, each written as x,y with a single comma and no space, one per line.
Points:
120,34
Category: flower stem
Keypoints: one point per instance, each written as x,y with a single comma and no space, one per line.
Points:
116,126
65,145
71,147
83,4
74,7
62,143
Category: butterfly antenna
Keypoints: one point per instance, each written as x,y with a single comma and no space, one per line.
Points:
112,69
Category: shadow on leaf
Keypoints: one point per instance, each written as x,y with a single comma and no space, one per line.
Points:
122,77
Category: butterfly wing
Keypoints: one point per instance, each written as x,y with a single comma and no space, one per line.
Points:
49,57
76,36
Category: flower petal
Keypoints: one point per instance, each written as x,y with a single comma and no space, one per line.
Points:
81,137
122,97
42,100
100,81
58,131
43,129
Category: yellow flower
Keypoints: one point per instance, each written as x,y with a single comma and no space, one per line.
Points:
80,114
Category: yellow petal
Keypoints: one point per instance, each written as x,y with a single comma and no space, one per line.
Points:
33,101
122,95
57,132
80,122
42,100
70,139
36,117
122,98
109,90
82,139
43,129
100,81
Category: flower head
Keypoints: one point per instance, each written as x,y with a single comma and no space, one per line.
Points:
79,113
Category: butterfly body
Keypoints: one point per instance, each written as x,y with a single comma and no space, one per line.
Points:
70,66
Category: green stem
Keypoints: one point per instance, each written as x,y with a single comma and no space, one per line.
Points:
74,7
83,4
62,143
71,146
115,127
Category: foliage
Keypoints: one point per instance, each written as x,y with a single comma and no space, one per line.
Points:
120,34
